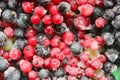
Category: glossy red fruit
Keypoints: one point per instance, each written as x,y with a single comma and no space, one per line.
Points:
32,75
62,45
25,66
35,19
100,22
40,11
100,40
29,51
46,42
56,1
37,61
66,51
6,55
28,7
90,72
54,42
73,61
53,9
32,41
54,63
82,2
49,29
9,32
15,54
57,18
47,20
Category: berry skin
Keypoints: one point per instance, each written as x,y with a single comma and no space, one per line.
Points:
54,42
37,61
28,7
32,75
102,58
4,63
9,32
40,11
54,51
12,4
49,29
96,64
59,73
89,72
15,54
25,66
46,42
116,22
100,22
19,32
82,2
66,51
56,1
47,20
73,61
68,38
61,45
32,41
60,56
54,63
35,19
86,9
3,38
53,10
44,73
28,51
85,56
57,18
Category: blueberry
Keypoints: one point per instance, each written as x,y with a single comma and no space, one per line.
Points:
60,72
76,48
112,54
108,38
60,29
19,32
44,73
107,67
108,28
61,78
83,78
117,61
44,2
19,43
108,14
108,3
9,15
3,5
23,20
12,4
116,9
12,74
3,38
117,36
3,64
42,50
39,27
64,7
116,22
40,38
111,77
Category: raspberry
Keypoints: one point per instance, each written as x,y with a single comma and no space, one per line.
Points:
40,11
57,18
9,32
89,72
100,22
32,41
25,66
54,63
15,54
32,75
49,29
47,19
86,9
35,19
53,10
37,61
28,7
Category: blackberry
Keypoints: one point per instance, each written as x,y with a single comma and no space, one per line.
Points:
19,32
108,3
39,27
83,78
108,14
60,72
23,20
116,9
116,22
107,28
40,38
76,48
117,61
107,67
3,64
9,15
3,38
64,7
12,74
44,73
12,4
42,50
117,36
3,5
108,38
44,2
112,54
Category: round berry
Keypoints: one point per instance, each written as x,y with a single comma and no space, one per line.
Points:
8,31
47,19
32,41
15,54
28,7
35,19
57,18
100,22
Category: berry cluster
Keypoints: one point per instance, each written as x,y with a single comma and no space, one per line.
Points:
59,39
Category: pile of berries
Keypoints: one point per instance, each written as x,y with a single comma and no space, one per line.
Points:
59,39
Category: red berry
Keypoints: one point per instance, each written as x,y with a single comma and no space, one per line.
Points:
73,61
28,51
72,78
96,64
37,61
73,71
25,66
32,41
46,62
54,63
81,34
85,56
6,55
30,32
49,29
86,9
100,40
28,7
99,3
102,58
61,45
66,51
60,56
68,38
103,78
9,32
53,9
15,54
68,68
82,2
54,51
90,72
35,19
57,18
32,75
47,19
56,1
54,42
100,22
46,42
92,2
94,45
40,11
